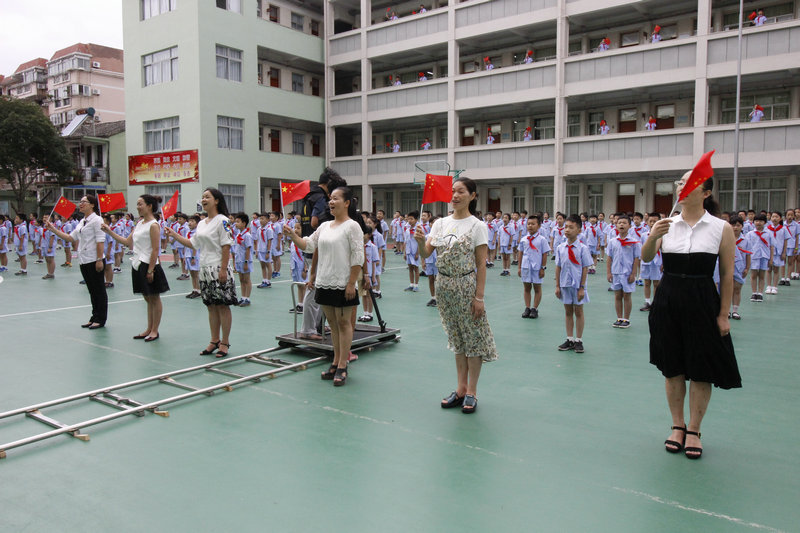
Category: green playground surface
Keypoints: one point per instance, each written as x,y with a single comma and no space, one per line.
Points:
560,441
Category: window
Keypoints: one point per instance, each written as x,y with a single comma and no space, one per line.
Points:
160,67
297,82
315,145
410,200
544,128
543,198
314,86
274,13
754,193
777,13
594,122
275,140
230,5
164,192
67,64
411,141
518,199
574,125
595,193
442,138
229,133
518,130
776,107
298,22
543,54
229,63
630,39
151,8
314,26
298,143
572,194
275,77
162,134
234,197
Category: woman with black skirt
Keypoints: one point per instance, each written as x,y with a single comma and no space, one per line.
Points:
340,243
146,273
689,328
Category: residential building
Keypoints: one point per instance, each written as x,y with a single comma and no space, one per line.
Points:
567,87
29,81
226,94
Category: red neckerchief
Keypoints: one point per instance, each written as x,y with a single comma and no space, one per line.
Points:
240,237
530,242
740,248
16,231
263,237
638,231
626,242
775,230
594,231
507,233
572,254
560,230
760,233
297,251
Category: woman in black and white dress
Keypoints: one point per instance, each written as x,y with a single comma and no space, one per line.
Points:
689,328
146,274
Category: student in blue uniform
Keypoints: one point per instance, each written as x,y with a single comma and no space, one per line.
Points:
780,236
412,251
430,262
243,256
3,244
192,258
572,267
371,258
557,233
760,243
380,243
108,249
21,244
638,231
533,250
492,227
264,240
591,238
48,248
652,271
624,255
792,230
741,265
506,234
67,227
299,271
277,243
399,233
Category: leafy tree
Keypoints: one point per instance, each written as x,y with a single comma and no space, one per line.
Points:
29,144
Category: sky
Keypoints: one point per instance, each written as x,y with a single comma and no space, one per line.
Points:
37,28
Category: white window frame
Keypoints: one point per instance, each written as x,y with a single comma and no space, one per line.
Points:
160,67
298,143
230,5
230,133
152,8
229,63
162,134
165,192
234,195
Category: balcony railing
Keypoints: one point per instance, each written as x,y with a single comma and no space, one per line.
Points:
428,92
767,143
757,43
518,78
419,26
93,174
497,9
532,158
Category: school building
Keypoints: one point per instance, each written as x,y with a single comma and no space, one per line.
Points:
686,83
226,94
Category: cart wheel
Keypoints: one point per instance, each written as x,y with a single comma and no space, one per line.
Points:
284,344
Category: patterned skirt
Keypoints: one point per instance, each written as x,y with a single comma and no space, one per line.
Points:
214,292
472,337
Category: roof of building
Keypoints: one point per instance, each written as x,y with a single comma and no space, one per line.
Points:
101,129
38,62
108,57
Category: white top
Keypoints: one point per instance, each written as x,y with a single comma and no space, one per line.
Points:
142,245
211,235
447,230
705,236
88,234
340,248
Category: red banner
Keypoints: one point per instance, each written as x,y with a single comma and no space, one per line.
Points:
166,167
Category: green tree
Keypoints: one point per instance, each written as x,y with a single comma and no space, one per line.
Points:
29,145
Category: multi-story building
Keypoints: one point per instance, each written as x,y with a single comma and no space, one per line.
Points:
29,81
83,76
553,77
226,94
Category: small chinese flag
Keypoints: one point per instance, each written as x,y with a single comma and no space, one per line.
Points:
111,202
171,207
700,173
291,192
437,189
759,108
752,15
64,207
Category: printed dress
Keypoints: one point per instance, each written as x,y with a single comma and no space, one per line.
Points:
455,290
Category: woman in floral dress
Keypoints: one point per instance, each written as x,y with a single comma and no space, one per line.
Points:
460,241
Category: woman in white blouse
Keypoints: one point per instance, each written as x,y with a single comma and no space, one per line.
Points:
147,275
213,238
341,253
89,239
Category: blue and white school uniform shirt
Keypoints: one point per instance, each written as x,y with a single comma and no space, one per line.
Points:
623,252
572,267
21,239
506,234
533,247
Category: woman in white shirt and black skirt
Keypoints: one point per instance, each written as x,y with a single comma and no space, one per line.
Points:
689,328
341,254
213,238
146,274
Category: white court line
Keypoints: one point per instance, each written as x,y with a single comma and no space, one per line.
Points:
706,512
123,352
125,301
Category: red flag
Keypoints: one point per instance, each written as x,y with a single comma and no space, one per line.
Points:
752,15
700,173
171,207
437,189
759,108
64,207
111,202
291,192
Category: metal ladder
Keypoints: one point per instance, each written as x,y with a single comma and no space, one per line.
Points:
125,406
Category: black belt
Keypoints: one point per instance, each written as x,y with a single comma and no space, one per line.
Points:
308,256
457,275
688,276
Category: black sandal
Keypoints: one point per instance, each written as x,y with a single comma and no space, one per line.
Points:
329,374
693,452
470,404
678,446
220,353
340,377
454,400
209,352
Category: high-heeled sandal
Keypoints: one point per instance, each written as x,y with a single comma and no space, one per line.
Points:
454,400
209,352
329,374
678,446
220,353
693,452
340,377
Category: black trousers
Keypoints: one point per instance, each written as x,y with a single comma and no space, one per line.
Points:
96,284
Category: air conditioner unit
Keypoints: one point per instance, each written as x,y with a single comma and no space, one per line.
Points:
95,64
95,91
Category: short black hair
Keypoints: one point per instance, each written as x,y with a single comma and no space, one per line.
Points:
243,217
414,214
536,218
735,219
638,214
624,216
575,219
762,217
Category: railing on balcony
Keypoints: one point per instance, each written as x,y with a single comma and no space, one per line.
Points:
347,167
757,44
345,106
773,136
404,96
663,144
632,62
344,45
411,28
495,82
497,9
522,154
